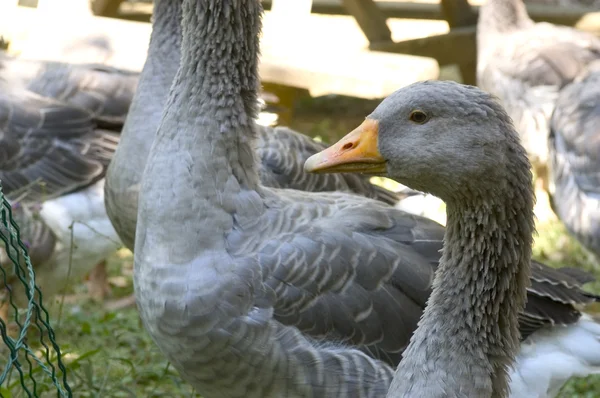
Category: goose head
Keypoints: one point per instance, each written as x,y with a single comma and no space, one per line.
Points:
437,137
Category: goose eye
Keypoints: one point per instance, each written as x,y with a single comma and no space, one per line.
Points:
419,117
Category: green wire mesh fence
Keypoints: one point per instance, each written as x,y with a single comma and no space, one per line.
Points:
25,364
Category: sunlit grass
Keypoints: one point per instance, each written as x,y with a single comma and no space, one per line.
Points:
108,353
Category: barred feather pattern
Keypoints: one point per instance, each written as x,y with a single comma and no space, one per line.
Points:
574,164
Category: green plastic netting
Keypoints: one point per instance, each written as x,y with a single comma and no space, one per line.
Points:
25,364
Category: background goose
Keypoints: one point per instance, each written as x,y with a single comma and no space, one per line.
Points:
40,167
282,151
57,159
52,162
103,91
525,64
254,291
574,157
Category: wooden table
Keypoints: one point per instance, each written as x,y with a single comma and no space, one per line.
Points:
330,56
455,47
458,45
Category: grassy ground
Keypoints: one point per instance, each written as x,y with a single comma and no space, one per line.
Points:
110,355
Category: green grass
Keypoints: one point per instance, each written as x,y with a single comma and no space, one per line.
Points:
109,354
124,362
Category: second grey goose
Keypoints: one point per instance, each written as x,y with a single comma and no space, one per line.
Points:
525,64
575,157
260,292
66,149
458,143
548,355
281,150
52,161
104,91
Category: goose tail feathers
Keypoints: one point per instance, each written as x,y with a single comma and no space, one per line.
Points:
549,357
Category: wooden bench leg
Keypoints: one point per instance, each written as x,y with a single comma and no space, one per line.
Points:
106,8
459,14
4,43
287,99
468,70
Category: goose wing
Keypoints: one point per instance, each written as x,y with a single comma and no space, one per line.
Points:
104,91
360,273
527,68
48,148
346,269
574,146
554,297
34,233
541,55
40,242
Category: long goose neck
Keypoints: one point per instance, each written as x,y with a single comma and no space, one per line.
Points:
468,335
151,95
501,16
203,156
164,52
216,87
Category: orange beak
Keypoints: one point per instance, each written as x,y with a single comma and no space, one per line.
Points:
357,152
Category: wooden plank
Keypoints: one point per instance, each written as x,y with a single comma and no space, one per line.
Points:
291,8
409,10
364,73
571,16
72,8
106,8
119,43
458,14
290,17
328,58
448,49
28,3
590,22
370,19
332,58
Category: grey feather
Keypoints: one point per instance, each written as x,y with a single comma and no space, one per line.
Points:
282,151
49,148
525,64
574,166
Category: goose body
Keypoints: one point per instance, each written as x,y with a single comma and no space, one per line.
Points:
544,75
252,291
526,64
549,358
103,91
52,170
282,151
92,234
79,221
574,163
